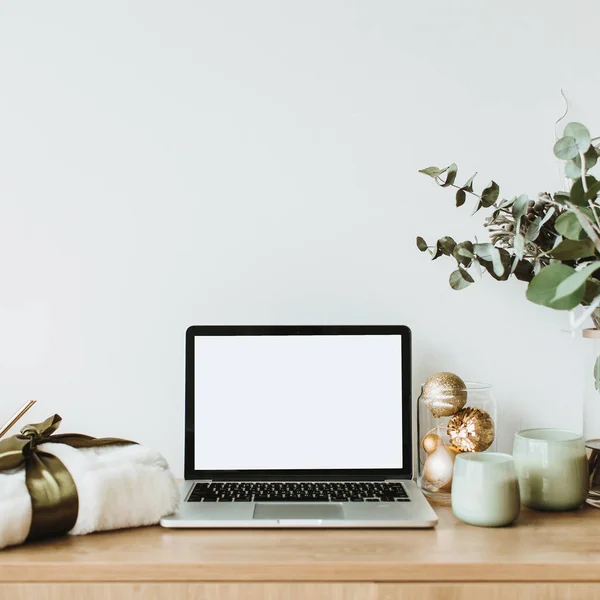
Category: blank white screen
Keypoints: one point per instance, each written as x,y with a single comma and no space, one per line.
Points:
298,402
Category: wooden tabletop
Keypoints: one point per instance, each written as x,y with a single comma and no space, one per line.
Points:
542,546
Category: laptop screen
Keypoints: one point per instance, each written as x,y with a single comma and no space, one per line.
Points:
298,402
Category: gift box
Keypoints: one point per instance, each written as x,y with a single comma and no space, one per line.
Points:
54,484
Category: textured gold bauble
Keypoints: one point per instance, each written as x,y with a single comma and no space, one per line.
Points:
444,394
439,467
430,442
471,430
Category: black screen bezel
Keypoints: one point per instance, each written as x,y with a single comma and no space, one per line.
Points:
191,473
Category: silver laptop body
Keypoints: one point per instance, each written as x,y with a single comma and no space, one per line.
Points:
317,407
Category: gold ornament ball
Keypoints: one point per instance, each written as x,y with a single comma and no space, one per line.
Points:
430,442
439,467
444,394
471,430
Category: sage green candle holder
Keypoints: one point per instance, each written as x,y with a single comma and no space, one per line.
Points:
552,468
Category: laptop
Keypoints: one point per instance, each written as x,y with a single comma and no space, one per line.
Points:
303,426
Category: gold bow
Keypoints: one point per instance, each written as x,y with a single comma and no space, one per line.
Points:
54,499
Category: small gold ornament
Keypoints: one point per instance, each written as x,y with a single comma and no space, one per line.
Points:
471,430
430,442
439,467
444,394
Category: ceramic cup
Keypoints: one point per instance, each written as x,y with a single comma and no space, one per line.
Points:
485,490
552,468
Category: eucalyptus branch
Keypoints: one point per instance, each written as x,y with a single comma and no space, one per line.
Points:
545,241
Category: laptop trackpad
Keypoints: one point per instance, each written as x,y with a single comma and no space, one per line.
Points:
298,511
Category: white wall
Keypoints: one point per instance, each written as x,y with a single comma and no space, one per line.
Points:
172,163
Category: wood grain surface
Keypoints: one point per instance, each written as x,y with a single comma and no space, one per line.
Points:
549,547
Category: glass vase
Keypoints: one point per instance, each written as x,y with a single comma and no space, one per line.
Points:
591,412
441,438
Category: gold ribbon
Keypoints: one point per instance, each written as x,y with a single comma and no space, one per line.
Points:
54,499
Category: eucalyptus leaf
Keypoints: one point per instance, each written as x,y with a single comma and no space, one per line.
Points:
524,271
573,249
431,171
581,135
469,185
446,245
519,207
460,279
549,213
578,196
568,225
519,245
488,252
463,253
566,148
461,194
572,171
533,230
593,191
450,173
591,158
490,194
421,244
542,288
573,286
562,197
597,374
592,290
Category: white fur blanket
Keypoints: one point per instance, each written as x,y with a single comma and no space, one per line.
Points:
118,486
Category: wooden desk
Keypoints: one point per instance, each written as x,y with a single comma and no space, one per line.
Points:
545,556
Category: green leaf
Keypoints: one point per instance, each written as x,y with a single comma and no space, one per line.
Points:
446,245
463,253
431,171
519,207
572,171
421,244
547,216
533,230
519,245
542,288
597,374
573,249
593,191
451,173
574,286
524,271
581,135
469,185
490,194
461,194
578,196
460,279
562,197
591,158
488,252
566,148
568,225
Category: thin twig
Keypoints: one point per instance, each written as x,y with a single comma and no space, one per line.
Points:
583,177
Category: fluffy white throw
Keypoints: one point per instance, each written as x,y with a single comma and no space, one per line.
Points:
118,486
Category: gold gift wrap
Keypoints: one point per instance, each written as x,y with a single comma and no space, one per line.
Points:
54,499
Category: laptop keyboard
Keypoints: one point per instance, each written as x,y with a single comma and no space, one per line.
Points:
285,491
